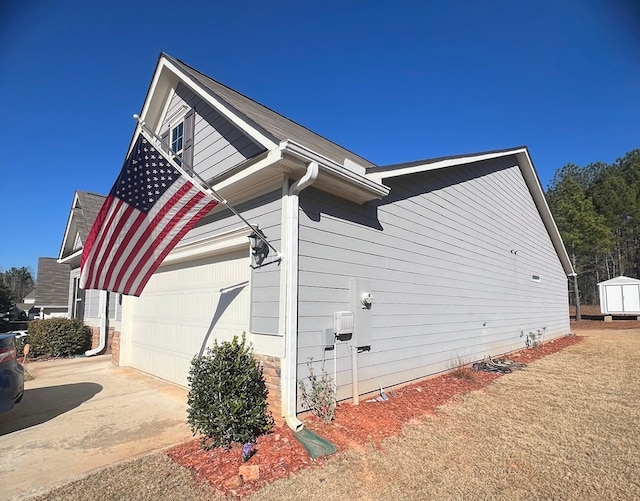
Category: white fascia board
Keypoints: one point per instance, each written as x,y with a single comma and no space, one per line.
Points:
66,231
537,193
272,158
305,154
219,106
441,164
70,257
151,96
223,242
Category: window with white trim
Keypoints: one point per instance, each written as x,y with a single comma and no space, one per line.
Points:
176,136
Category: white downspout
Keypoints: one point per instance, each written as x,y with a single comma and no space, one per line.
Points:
289,387
104,315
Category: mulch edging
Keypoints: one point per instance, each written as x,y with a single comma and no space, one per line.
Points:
278,454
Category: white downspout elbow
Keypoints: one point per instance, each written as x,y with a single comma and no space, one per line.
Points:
289,386
104,325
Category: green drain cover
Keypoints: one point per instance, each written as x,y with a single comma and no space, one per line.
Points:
314,444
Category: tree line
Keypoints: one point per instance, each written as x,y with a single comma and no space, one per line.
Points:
597,210
15,284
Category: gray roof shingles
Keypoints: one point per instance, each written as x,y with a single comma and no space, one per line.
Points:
52,287
87,212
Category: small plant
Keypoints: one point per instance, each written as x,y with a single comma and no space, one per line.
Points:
534,339
459,369
227,399
320,397
462,373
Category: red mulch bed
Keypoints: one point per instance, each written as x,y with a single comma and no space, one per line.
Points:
278,454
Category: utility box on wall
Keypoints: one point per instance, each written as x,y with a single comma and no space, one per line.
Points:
620,295
343,323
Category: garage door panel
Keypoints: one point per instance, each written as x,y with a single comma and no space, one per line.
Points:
172,318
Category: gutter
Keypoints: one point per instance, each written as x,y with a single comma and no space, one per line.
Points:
289,368
373,187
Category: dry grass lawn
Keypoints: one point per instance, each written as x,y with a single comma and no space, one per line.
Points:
565,428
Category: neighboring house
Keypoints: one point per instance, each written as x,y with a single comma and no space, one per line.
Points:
52,287
100,310
30,298
29,308
419,266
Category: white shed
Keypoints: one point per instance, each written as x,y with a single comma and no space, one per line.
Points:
620,295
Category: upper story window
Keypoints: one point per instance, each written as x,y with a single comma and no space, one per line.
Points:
177,134
177,139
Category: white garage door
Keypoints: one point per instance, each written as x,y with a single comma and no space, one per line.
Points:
183,308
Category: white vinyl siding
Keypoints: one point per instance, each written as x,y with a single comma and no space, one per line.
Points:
450,255
218,145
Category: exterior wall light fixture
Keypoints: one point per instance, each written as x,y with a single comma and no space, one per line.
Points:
259,247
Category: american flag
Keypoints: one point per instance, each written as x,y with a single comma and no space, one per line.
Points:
149,209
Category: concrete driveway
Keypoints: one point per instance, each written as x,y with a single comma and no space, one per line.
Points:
83,414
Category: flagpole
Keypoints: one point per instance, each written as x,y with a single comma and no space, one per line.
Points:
208,187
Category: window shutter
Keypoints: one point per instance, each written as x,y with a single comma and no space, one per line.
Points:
166,146
189,127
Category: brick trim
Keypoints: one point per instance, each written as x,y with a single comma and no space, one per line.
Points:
271,370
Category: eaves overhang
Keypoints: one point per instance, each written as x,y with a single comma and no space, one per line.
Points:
71,259
334,177
290,160
68,227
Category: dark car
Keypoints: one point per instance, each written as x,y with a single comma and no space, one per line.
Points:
11,373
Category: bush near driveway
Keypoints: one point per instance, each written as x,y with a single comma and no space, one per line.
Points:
58,337
227,399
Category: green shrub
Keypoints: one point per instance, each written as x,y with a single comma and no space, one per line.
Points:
58,337
227,399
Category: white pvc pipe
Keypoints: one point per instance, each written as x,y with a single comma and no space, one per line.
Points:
354,375
289,367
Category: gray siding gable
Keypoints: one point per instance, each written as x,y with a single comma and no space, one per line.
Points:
218,145
83,213
450,255
272,124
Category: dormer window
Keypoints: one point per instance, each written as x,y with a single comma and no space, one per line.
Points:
177,135
177,139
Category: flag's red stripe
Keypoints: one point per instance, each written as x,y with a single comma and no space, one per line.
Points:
108,244
100,249
144,258
95,229
113,206
190,224
119,246
120,267
128,267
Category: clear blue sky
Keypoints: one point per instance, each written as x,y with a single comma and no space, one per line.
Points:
391,81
